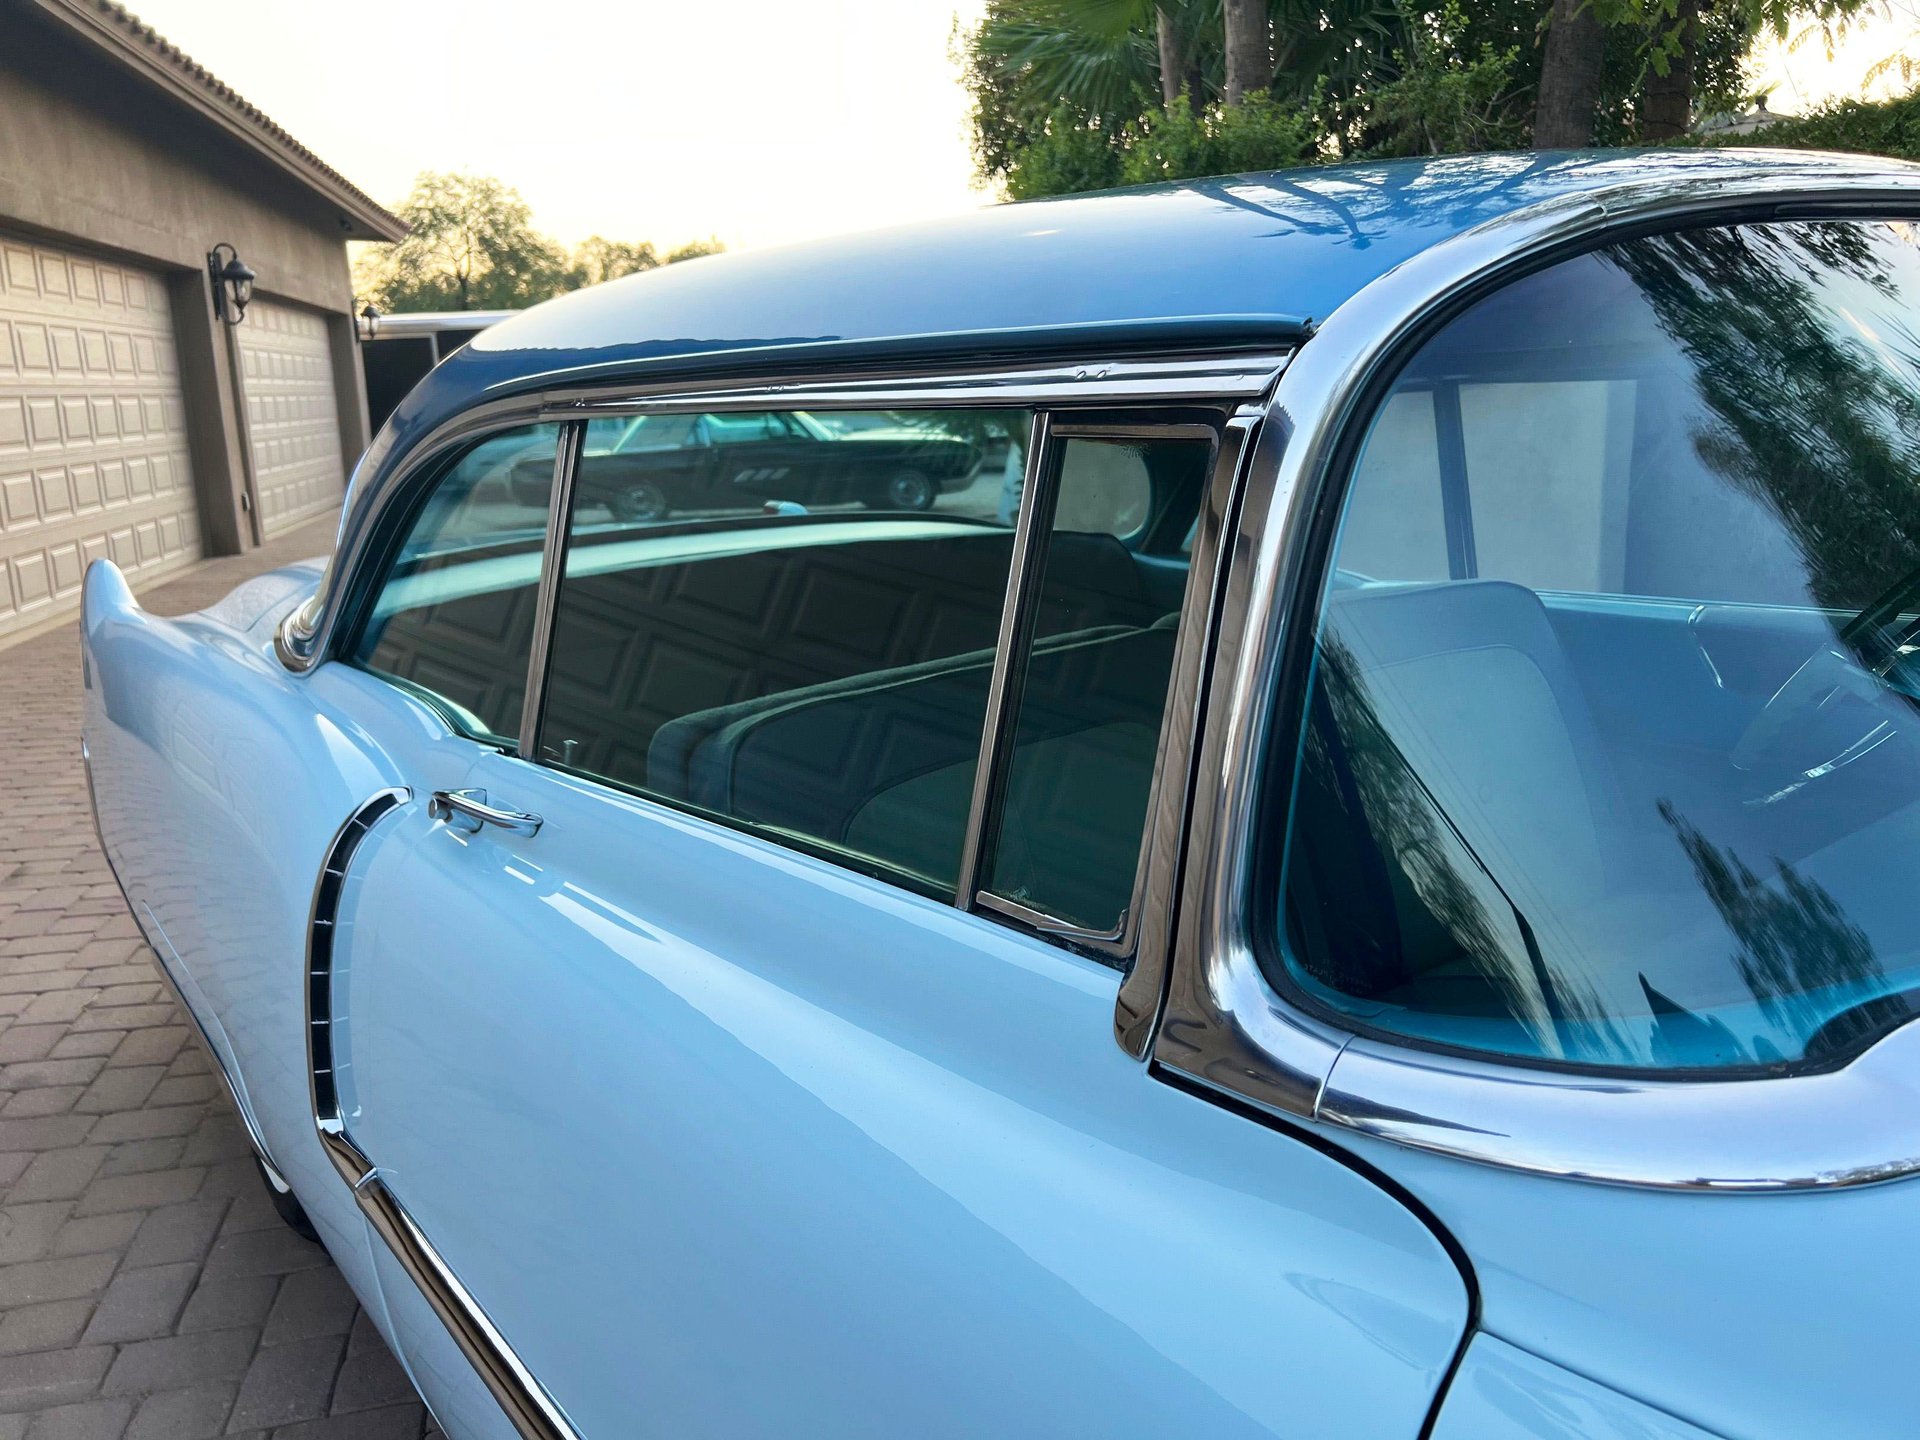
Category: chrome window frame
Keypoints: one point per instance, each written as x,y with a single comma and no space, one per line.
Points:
1233,384
306,636
1047,453
1230,1030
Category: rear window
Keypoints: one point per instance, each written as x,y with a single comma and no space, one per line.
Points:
1610,755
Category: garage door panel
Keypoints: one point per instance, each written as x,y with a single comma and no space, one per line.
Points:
93,444
293,419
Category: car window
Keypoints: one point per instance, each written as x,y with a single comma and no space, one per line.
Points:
741,429
1610,755
453,617
1093,689
681,468
792,673
1104,489
822,678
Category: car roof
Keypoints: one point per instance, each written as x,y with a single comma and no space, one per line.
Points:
1247,259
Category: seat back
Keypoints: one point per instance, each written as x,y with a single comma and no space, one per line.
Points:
1468,683
884,764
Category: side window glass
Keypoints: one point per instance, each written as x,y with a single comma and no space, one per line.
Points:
1395,524
1093,687
1610,755
453,620
742,429
818,674
1104,490
695,468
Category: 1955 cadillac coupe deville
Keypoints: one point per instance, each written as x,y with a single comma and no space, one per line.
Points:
1364,887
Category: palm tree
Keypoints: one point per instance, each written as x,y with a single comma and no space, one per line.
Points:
1249,47
1094,51
1569,92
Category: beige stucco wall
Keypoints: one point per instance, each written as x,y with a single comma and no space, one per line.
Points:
95,157
89,152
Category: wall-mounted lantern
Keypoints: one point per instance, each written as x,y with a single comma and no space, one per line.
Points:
369,322
232,283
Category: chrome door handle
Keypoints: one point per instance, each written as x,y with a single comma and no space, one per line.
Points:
468,810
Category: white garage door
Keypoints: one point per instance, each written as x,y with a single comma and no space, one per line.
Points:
293,419
93,445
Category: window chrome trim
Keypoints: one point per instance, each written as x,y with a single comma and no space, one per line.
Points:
1120,944
1015,633
566,462
1229,1029
1187,382
1227,374
1143,990
307,634
533,1413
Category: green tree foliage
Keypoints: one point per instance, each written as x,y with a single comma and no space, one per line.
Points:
1221,139
597,259
1452,87
1066,91
1871,127
694,250
472,246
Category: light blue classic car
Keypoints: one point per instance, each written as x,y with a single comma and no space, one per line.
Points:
1370,894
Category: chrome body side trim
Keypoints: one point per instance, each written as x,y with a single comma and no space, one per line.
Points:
322,916
255,1140
1225,1024
305,636
526,1404
529,1408
566,460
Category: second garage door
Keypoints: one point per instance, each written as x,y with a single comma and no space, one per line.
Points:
293,417
93,444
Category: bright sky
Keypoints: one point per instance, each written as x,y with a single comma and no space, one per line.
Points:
757,121
1805,70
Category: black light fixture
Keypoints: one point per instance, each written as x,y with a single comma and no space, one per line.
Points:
232,283
369,322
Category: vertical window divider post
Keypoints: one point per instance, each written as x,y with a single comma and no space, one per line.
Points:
553,554
1017,618
1456,498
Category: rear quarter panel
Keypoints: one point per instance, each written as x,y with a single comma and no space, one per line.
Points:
1751,1316
218,785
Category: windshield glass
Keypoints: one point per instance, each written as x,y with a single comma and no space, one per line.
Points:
1610,755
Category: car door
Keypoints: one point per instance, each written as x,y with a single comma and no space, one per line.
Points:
699,1106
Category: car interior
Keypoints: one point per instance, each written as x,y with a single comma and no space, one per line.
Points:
824,679
1594,769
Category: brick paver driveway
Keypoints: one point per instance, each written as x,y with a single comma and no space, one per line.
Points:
147,1289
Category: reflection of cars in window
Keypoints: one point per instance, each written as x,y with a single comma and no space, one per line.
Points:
652,465
1464,750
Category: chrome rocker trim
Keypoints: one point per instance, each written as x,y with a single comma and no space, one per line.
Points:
1228,1028
526,1404
248,1124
